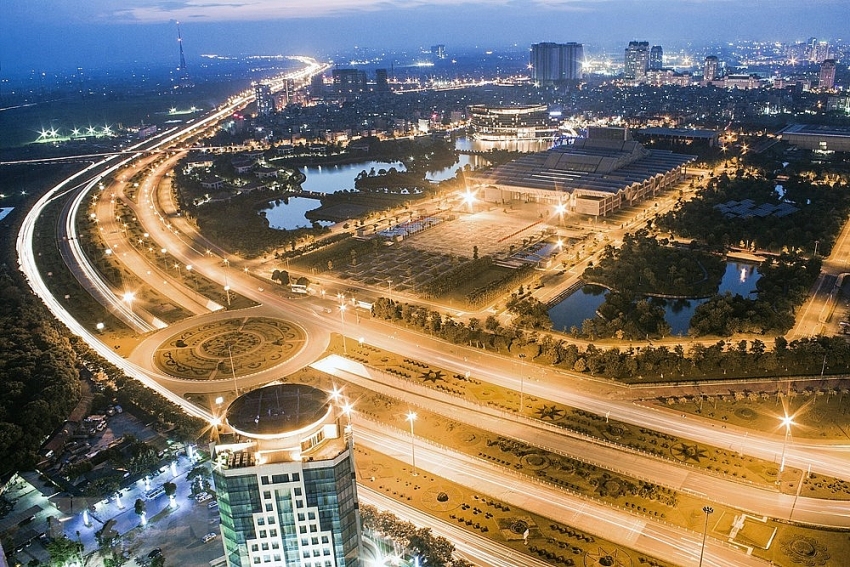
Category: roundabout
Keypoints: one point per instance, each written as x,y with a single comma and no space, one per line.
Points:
228,348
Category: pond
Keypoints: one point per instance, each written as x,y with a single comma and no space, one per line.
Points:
739,278
330,178
288,213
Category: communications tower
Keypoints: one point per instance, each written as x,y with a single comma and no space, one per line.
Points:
184,73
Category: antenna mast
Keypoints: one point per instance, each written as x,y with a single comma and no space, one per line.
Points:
180,43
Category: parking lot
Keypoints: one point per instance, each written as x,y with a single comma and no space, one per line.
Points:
36,508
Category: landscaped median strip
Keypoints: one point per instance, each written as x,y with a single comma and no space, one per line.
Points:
619,489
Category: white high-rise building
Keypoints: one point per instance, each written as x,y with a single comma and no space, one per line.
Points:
636,61
285,481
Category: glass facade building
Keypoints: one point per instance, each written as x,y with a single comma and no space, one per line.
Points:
287,497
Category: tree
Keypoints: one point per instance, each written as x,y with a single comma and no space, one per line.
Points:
170,491
62,551
141,508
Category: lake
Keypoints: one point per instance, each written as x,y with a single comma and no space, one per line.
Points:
739,278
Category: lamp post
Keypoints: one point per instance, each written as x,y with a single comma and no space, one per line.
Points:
232,370
787,421
561,209
342,318
128,299
411,417
708,510
226,284
521,383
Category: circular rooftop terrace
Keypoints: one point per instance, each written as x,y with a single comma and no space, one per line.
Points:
277,410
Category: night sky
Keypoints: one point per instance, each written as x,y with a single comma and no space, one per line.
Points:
63,34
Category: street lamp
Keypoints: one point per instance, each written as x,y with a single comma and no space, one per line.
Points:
342,318
129,296
469,199
787,421
411,417
226,285
708,510
521,383
561,209
233,370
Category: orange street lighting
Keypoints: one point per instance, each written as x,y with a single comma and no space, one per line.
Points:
411,417
787,422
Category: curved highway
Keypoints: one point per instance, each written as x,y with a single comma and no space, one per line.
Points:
157,214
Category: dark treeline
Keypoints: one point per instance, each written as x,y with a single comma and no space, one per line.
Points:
39,376
643,265
140,400
784,284
719,360
823,203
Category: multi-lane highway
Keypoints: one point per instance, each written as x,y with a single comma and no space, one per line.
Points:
157,214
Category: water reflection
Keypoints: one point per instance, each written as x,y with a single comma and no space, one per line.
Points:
739,278
288,213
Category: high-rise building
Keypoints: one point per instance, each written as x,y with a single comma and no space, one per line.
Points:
317,86
636,61
285,483
556,63
656,58
711,69
264,98
820,53
438,51
826,77
348,81
381,82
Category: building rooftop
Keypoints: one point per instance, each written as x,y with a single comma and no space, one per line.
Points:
606,166
682,132
817,130
278,409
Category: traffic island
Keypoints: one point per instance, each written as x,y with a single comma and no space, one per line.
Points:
229,348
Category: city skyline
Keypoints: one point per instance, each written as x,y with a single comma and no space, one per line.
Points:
103,34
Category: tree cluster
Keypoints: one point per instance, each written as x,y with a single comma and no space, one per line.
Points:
238,225
139,399
783,286
39,374
391,180
823,207
416,542
643,265
721,359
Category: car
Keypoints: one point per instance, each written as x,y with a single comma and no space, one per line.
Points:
204,496
212,505
155,553
209,537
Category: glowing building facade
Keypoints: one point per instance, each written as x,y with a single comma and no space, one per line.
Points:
500,123
556,63
285,482
636,61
